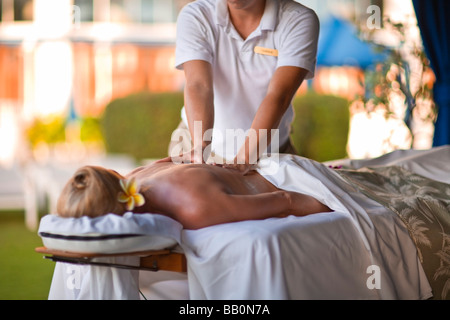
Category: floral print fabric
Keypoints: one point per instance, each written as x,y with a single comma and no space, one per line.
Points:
423,205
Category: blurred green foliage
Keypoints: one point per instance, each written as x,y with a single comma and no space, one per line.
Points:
90,130
404,77
141,124
321,126
52,130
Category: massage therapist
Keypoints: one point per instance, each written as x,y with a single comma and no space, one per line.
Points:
243,60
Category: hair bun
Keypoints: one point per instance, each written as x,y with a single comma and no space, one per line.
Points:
80,180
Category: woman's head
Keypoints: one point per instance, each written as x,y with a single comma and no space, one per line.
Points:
92,191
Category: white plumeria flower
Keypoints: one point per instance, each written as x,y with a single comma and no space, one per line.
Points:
130,194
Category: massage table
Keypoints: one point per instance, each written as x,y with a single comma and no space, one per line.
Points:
152,260
367,248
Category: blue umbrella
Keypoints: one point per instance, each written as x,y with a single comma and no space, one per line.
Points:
72,115
339,45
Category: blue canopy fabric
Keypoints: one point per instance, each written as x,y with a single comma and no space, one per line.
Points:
434,24
339,45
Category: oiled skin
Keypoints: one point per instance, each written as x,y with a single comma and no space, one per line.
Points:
201,195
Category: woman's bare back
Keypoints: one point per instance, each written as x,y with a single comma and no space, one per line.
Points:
199,195
200,177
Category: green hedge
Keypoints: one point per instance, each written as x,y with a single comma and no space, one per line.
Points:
141,124
321,126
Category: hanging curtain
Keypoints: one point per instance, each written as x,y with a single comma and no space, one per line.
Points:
434,24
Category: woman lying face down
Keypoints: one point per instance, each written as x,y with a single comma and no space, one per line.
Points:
196,195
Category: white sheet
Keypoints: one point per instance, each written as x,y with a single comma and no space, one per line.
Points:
86,282
322,256
433,163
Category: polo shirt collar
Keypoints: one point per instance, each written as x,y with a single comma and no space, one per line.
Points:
222,16
268,20
270,16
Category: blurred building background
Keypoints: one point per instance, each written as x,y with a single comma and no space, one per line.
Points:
70,58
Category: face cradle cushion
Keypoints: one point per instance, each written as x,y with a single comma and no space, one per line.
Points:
109,234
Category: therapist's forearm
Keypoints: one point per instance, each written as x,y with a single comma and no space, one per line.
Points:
267,117
282,88
199,100
199,107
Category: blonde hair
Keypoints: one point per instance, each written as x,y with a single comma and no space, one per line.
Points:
92,191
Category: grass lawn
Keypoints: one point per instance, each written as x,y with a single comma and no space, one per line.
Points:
24,274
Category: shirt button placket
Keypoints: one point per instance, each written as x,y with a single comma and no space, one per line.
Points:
246,53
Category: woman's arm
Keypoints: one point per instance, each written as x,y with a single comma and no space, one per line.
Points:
274,204
225,208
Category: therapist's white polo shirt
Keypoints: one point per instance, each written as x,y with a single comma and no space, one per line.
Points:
287,36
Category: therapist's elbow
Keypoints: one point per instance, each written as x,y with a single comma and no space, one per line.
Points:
199,87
